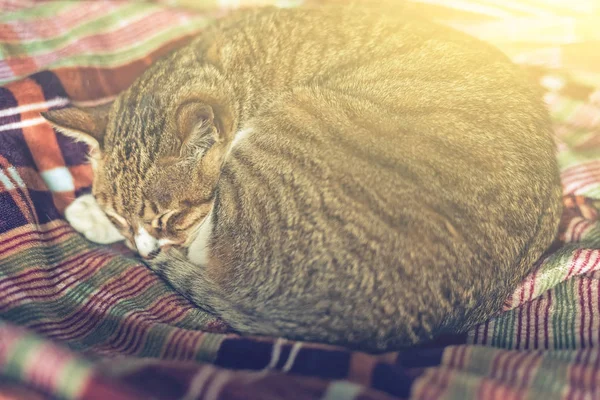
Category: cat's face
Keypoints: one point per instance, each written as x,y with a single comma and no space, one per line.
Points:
156,165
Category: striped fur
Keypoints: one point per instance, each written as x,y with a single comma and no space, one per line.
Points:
134,313
398,182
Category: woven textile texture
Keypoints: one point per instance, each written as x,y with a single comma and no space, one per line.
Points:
81,321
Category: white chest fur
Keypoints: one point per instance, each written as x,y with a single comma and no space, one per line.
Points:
199,249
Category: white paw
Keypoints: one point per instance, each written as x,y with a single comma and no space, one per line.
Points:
86,217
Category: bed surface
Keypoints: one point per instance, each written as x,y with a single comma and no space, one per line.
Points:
80,321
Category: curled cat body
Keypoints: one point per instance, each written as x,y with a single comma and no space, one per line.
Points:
347,176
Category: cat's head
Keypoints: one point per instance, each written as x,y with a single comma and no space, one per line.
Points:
156,162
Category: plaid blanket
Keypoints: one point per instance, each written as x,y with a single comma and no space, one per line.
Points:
80,321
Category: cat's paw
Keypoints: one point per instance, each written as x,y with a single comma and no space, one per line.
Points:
86,217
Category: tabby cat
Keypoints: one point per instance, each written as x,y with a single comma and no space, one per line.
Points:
356,177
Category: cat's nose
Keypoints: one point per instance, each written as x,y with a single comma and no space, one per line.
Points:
147,246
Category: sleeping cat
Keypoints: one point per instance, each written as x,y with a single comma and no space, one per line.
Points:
347,176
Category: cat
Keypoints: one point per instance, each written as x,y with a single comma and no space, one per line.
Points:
357,177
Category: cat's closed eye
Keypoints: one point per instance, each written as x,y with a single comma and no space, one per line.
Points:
160,221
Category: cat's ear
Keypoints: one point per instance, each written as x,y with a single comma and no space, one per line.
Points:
82,124
201,121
